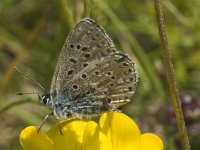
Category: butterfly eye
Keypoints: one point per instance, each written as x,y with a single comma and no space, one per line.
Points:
44,99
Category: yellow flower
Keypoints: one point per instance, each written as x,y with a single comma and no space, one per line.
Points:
115,131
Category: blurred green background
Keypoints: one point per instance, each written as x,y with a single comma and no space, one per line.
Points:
32,34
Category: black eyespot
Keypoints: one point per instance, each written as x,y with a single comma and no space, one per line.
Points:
109,73
84,48
78,46
87,55
130,88
84,76
111,84
105,92
96,73
113,77
109,100
125,97
88,92
70,72
75,86
71,46
72,60
131,79
85,64
130,70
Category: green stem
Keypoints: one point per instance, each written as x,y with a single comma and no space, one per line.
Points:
171,77
76,14
67,12
16,103
86,8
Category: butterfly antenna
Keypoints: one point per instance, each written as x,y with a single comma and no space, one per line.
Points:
27,93
38,84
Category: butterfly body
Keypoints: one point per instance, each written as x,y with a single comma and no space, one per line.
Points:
91,76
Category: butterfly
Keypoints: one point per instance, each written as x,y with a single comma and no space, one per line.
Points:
91,76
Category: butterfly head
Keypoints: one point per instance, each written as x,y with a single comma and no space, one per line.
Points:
44,99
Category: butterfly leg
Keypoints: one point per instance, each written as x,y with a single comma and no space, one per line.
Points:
58,123
46,117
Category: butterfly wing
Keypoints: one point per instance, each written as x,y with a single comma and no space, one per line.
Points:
91,75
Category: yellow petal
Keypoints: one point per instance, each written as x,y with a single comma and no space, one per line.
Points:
151,141
104,142
121,130
94,139
91,137
30,139
72,134
55,129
